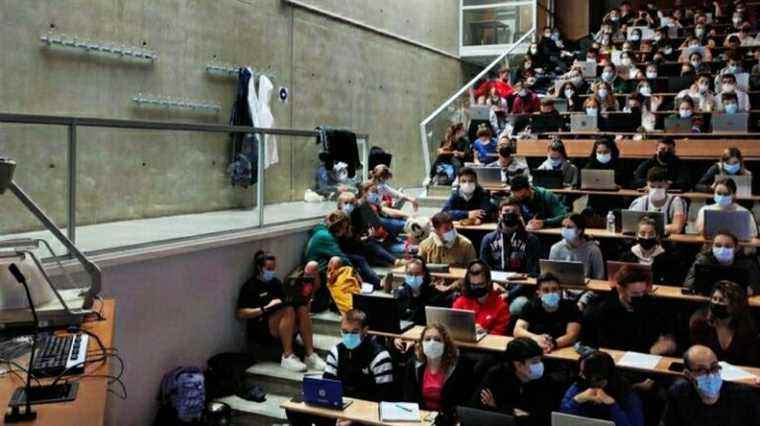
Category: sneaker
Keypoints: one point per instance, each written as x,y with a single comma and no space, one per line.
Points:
292,363
314,362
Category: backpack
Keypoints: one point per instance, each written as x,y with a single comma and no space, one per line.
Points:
226,375
377,156
182,396
241,171
444,174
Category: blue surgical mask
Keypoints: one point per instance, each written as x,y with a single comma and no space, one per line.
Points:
347,208
591,111
555,163
709,385
723,200
267,275
351,340
604,158
450,236
550,301
536,371
732,169
732,108
569,234
413,281
723,254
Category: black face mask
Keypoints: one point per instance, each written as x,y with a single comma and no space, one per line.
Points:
719,311
509,220
638,302
647,243
666,157
478,291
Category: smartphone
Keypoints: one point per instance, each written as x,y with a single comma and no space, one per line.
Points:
676,366
688,291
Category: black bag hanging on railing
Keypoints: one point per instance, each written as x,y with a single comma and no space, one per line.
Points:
341,145
244,154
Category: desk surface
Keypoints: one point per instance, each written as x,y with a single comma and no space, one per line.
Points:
365,412
601,286
90,406
603,233
632,193
499,344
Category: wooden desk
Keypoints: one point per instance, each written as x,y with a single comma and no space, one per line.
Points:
499,344
90,406
365,412
687,148
630,193
603,233
600,286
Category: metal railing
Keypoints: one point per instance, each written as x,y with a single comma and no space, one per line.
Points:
424,123
73,123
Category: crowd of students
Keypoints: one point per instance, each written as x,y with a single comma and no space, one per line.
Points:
369,229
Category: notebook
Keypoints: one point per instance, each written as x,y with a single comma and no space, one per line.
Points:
399,412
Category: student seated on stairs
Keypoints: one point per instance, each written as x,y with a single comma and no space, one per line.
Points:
270,316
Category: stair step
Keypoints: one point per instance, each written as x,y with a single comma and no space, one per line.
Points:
277,380
432,201
258,413
327,323
439,191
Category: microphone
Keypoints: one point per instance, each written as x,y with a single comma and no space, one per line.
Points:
15,415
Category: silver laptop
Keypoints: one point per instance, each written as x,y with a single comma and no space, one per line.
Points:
735,123
736,222
56,307
588,69
561,419
480,112
488,175
742,81
560,104
568,273
583,123
630,221
675,124
460,323
598,179
743,184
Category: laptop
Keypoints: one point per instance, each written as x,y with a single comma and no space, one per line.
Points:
678,83
734,123
676,124
560,104
474,417
646,32
598,179
542,123
705,277
382,312
549,179
561,419
56,305
620,122
488,176
743,185
630,221
614,267
568,273
461,323
324,393
736,222
742,81
480,112
584,123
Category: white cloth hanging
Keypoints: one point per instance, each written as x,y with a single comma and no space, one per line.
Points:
266,120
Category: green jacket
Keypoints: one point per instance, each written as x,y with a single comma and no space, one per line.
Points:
322,246
547,206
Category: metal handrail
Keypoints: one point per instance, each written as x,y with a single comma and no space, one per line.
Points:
460,92
73,122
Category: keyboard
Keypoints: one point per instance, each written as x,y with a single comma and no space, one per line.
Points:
56,354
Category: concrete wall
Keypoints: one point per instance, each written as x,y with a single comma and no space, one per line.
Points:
179,310
338,75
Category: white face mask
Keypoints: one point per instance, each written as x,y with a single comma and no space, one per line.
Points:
728,87
603,158
684,113
569,93
626,62
651,74
591,111
467,188
657,194
602,93
645,90
432,349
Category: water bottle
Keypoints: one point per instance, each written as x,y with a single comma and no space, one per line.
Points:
611,222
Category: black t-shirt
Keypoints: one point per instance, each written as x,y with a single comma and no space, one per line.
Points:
737,405
540,321
257,294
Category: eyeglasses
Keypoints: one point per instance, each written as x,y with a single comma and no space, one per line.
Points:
714,369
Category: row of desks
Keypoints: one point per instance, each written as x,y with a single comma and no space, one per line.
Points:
361,411
603,233
629,193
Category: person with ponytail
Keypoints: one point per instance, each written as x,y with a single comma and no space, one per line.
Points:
263,303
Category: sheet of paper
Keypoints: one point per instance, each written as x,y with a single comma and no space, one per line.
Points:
399,412
500,276
639,360
732,372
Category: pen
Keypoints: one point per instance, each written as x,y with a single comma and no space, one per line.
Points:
403,408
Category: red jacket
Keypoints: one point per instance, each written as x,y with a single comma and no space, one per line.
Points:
527,105
492,315
504,90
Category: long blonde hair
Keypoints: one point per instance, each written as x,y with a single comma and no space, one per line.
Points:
450,351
